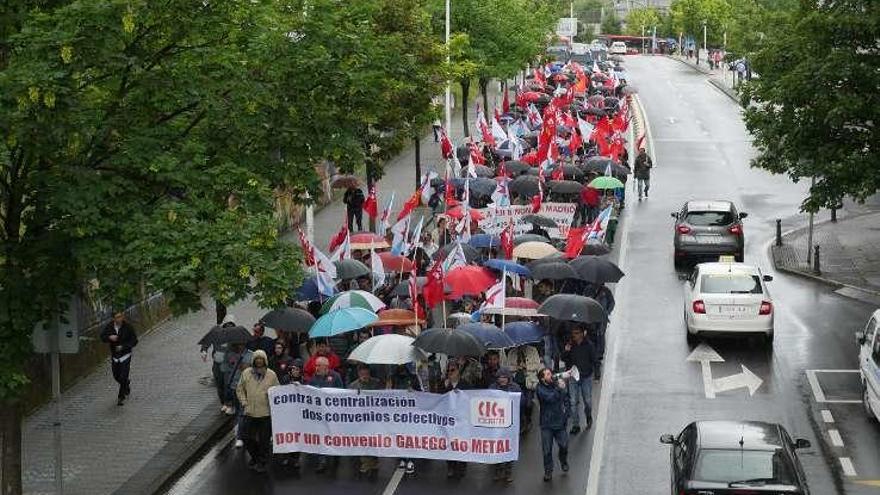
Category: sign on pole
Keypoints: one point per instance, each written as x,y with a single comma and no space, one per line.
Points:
567,26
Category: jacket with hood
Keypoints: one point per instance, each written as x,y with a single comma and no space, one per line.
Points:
554,405
253,389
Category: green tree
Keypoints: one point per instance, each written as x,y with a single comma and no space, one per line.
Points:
611,24
816,104
689,15
643,17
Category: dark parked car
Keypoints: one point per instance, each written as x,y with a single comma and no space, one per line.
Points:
735,457
705,230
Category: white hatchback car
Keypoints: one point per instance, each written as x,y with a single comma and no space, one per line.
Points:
869,365
617,48
727,298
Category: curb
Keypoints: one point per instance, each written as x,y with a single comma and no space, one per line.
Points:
179,453
724,89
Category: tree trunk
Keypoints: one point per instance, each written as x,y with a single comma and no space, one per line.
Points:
418,144
10,448
465,87
370,220
484,88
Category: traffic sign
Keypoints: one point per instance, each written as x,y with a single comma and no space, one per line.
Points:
567,26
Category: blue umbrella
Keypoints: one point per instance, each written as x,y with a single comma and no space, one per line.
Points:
524,332
484,241
489,335
308,291
341,321
510,266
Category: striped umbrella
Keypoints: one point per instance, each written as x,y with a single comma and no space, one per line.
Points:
352,299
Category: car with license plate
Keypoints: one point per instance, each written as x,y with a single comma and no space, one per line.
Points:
707,230
735,457
727,298
869,365
617,48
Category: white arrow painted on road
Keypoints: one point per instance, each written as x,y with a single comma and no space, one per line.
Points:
705,355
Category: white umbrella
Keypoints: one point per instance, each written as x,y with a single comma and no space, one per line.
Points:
353,298
387,349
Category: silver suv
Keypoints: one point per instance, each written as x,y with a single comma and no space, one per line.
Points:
705,230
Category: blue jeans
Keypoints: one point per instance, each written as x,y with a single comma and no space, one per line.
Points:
582,390
548,435
643,185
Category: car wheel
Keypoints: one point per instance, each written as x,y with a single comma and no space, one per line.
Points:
739,257
678,261
768,338
866,403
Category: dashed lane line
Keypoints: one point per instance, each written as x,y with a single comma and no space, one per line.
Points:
836,440
826,416
847,466
393,482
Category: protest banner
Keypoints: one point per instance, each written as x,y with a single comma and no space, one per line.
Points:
496,219
468,425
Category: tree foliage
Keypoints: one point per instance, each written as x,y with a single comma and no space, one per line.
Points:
611,24
647,17
817,101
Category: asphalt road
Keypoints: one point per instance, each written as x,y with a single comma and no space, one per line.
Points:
702,151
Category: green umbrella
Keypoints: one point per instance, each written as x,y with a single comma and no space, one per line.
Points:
353,299
606,182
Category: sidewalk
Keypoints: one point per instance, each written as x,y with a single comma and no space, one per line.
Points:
720,78
173,410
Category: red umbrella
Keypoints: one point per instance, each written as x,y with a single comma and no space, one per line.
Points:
469,280
368,240
457,213
395,262
520,302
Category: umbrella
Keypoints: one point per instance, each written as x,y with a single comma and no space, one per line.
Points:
505,148
529,238
605,182
345,181
541,221
564,186
571,307
480,241
507,265
629,90
457,212
341,321
516,167
553,271
396,317
395,262
490,335
601,165
483,186
592,111
402,288
553,258
595,249
459,318
368,240
470,254
350,268
469,280
524,332
596,270
482,171
386,349
449,342
308,291
533,250
524,185
353,299
514,306
569,171
289,320
218,335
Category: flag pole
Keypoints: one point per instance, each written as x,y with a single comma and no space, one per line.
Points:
503,293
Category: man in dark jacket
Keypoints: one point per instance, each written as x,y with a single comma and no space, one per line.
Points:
325,377
642,171
553,398
354,203
260,341
119,334
504,381
581,353
369,465
454,381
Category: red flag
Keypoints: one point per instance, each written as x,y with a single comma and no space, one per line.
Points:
502,169
497,114
446,148
433,290
371,206
476,154
507,240
537,199
449,193
410,204
576,142
505,102
308,252
557,173
577,237
338,239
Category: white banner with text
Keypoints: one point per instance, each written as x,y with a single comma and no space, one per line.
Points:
496,219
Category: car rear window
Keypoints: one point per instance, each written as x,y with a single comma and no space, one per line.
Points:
730,283
726,466
709,218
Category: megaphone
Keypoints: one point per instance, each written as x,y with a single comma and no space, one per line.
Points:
572,373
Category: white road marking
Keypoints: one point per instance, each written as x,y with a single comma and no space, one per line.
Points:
708,386
826,416
745,379
847,465
814,384
393,482
836,440
819,394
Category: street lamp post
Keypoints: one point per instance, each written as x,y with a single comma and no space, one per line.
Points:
643,39
448,106
705,46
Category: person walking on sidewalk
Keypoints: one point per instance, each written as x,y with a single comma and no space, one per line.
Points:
553,398
354,202
581,353
120,335
253,394
642,172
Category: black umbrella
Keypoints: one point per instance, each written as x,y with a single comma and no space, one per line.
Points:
490,335
553,271
525,185
449,342
569,171
564,187
463,152
553,258
349,269
218,335
541,221
481,170
596,270
601,165
592,111
402,288
289,320
571,307
482,186
596,249
529,238
516,167
470,253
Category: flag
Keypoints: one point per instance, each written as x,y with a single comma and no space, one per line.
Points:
600,225
410,204
455,259
507,240
483,126
415,239
449,192
371,205
456,165
338,239
378,269
496,295
463,229
433,289
325,272
414,290
383,224
400,230
343,251
308,252
537,199
505,102
585,127
498,134
576,240
575,143
476,154
425,188
501,195
447,150
471,167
